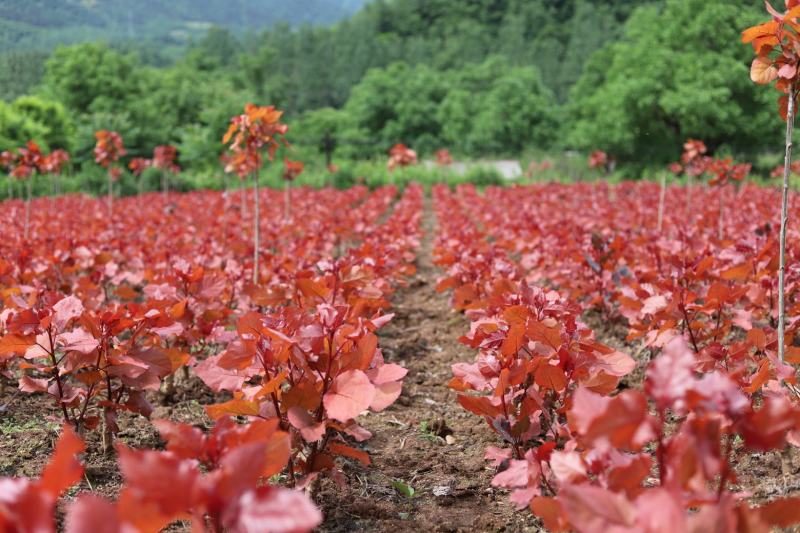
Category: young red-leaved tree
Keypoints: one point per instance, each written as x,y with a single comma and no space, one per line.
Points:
291,171
258,128
401,155
777,47
164,160
53,164
107,151
137,166
443,158
25,166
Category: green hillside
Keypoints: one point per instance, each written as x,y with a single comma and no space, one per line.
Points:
43,24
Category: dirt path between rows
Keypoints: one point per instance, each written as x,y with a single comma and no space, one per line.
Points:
425,441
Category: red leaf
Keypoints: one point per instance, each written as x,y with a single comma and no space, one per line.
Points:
361,456
516,475
781,513
145,472
64,469
216,377
65,310
385,395
235,407
90,512
275,509
551,377
310,429
763,71
15,344
671,374
29,384
551,512
653,305
350,394
480,405
78,340
185,441
386,373
595,509
766,429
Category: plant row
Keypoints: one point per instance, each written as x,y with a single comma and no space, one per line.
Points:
105,316
583,446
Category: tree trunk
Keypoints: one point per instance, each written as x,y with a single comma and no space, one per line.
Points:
787,167
256,228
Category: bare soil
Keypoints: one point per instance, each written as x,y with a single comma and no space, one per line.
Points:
426,440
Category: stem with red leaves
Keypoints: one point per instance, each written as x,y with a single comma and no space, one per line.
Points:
787,168
57,376
689,327
315,448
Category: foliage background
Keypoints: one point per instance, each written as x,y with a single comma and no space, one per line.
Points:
483,78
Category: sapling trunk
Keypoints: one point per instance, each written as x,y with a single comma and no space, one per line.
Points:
689,187
169,386
165,184
256,228
287,200
108,433
661,199
225,193
110,195
721,228
787,167
27,207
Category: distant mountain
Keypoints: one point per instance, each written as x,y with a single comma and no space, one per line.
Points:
43,24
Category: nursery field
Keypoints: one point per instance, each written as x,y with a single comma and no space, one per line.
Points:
355,331
586,357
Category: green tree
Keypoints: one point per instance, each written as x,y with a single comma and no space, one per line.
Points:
517,113
16,129
58,127
493,108
669,79
91,77
22,72
396,104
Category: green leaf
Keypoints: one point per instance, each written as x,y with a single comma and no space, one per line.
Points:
404,488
